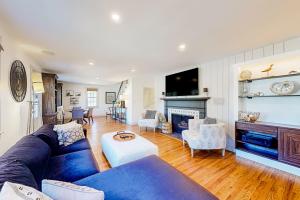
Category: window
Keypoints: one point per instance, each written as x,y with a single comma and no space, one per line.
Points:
36,106
92,97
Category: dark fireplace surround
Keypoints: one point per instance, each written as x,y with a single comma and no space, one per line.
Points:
179,121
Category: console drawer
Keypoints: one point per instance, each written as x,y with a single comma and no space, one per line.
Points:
257,128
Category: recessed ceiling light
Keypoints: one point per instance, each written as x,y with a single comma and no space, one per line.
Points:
116,17
132,70
182,47
91,63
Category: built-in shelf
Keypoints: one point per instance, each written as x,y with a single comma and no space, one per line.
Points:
270,77
184,98
265,96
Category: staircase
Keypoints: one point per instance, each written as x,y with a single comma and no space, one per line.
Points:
117,113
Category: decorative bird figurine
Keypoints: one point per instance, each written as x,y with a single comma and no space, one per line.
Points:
268,69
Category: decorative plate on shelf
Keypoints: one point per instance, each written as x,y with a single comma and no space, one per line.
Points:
283,88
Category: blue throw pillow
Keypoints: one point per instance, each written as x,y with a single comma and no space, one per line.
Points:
209,120
150,114
16,172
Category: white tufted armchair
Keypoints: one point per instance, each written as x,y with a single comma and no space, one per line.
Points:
204,136
149,123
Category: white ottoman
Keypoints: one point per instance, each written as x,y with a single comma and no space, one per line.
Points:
121,152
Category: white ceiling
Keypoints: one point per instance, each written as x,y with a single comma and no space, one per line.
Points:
80,31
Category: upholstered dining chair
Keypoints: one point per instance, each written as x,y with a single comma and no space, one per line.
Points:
60,115
89,115
204,136
77,115
110,112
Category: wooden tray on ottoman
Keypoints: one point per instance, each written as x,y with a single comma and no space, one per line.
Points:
123,136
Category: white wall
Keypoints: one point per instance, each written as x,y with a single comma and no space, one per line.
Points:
14,116
101,108
218,76
135,96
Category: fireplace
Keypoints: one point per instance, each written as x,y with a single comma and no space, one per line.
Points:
179,118
180,123
179,110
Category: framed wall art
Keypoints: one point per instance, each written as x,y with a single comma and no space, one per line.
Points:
110,97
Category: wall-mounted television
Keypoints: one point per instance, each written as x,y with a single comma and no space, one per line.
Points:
184,83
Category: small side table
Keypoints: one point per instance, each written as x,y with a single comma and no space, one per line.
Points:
166,128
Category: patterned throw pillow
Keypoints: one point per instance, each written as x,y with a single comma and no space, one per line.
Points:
59,129
161,118
68,191
69,133
21,192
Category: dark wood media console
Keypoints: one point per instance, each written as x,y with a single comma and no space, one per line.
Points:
275,141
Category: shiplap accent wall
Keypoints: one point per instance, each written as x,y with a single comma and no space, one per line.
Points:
218,76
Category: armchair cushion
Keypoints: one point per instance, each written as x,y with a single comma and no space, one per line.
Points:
152,123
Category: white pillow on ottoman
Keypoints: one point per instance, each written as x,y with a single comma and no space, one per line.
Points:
68,191
69,133
17,191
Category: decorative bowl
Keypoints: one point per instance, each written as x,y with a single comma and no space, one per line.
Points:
245,75
283,88
249,116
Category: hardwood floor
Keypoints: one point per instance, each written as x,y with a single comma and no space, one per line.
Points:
226,177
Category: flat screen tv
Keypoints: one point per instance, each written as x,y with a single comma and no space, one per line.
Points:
183,83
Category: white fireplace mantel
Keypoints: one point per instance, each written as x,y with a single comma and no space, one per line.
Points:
193,113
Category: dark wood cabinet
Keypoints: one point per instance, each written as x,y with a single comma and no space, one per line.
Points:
275,141
49,104
289,146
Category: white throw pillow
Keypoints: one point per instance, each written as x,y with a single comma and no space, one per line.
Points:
68,191
17,191
69,133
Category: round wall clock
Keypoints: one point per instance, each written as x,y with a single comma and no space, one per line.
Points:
18,81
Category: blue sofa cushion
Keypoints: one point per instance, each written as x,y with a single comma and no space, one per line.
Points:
79,145
34,153
72,166
16,172
146,179
49,136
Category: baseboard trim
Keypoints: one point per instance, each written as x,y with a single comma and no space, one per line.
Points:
268,162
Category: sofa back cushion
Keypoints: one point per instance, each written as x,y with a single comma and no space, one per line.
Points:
34,153
16,172
49,136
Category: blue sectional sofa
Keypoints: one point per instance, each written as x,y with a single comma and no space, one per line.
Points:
38,156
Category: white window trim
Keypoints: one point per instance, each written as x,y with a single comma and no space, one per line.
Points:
87,98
